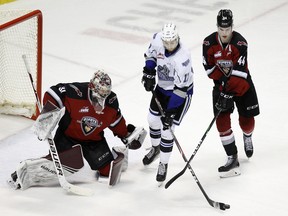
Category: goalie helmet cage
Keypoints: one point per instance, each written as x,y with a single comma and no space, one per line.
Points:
20,34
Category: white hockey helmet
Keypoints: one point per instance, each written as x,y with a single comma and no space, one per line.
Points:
99,89
170,36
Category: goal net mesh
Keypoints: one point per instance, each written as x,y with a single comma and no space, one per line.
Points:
20,34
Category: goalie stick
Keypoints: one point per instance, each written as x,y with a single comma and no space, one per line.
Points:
53,151
218,205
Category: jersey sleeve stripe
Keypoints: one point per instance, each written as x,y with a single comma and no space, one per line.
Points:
209,71
56,97
239,74
117,121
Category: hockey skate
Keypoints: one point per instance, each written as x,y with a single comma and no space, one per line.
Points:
161,173
248,145
231,168
152,155
12,182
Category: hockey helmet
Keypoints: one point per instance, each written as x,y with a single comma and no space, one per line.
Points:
99,89
225,18
170,36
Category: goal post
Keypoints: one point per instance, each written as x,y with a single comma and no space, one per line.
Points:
20,34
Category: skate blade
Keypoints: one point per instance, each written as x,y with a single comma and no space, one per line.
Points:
231,173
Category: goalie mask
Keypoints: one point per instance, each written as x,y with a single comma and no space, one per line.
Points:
99,89
170,36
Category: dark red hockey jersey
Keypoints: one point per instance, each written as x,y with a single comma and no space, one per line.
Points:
214,51
80,121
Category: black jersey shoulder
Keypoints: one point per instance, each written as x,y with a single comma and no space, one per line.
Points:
210,39
238,40
112,101
77,90
72,90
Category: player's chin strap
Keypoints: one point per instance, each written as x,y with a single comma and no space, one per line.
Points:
53,151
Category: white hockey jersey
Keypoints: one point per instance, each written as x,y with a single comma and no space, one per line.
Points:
173,70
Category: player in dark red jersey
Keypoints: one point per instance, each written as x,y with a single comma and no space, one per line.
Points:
90,107
225,62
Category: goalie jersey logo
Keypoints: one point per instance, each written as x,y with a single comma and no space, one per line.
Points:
89,124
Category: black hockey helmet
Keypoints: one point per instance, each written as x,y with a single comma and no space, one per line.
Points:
225,18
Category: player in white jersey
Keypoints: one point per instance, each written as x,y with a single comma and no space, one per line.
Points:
167,58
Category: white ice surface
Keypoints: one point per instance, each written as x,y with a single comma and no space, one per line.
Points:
80,36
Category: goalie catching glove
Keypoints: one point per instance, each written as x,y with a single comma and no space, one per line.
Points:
135,137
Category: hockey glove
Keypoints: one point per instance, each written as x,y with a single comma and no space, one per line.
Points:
135,137
167,119
130,129
225,101
148,78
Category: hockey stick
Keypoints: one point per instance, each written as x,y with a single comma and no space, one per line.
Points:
197,147
54,153
194,153
218,205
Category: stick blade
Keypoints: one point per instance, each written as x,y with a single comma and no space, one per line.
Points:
78,190
224,206
221,206
174,178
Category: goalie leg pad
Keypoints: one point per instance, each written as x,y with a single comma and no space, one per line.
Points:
41,171
116,169
116,150
71,158
34,172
